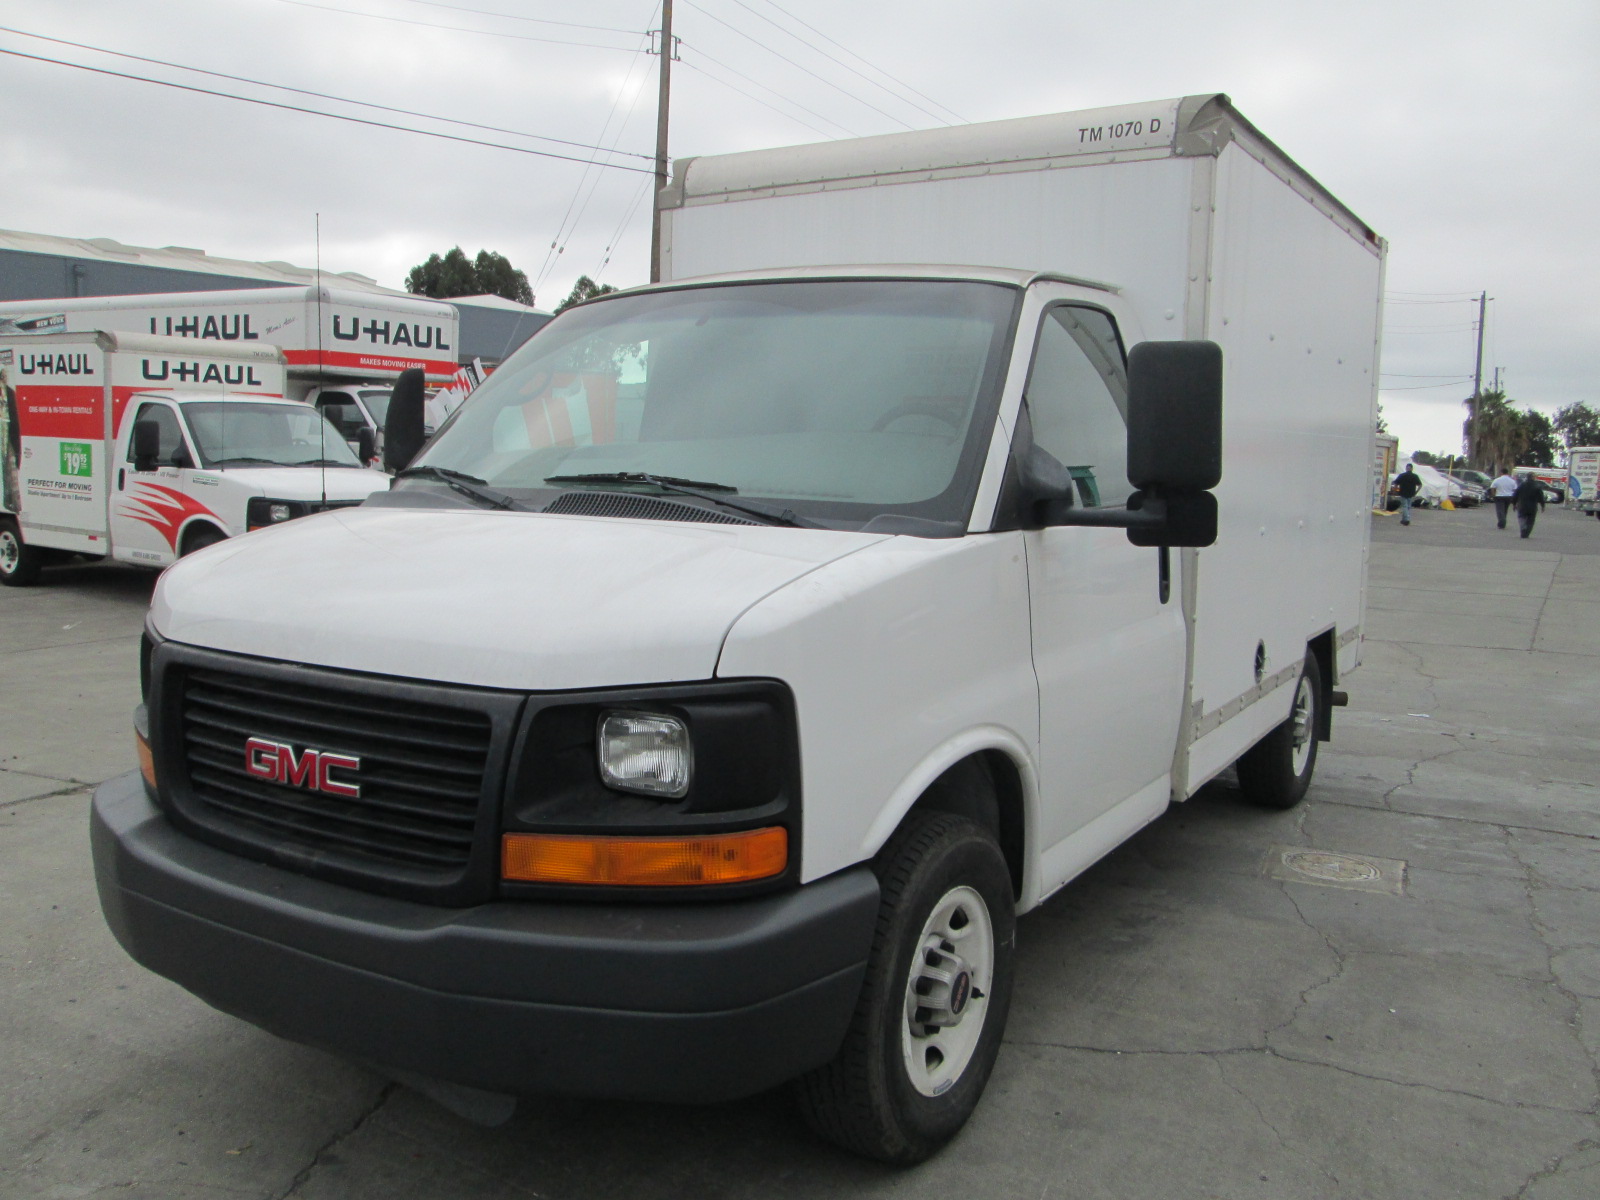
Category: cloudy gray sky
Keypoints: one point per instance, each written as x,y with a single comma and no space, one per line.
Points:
1464,132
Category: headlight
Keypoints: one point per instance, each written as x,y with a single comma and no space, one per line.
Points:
262,511
647,753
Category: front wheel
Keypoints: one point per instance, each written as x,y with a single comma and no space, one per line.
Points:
1276,771
19,562
927,1028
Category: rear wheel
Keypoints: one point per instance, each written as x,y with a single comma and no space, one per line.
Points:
1276,771
933,1006
19,562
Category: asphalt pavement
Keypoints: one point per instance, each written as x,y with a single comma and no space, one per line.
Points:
1392,991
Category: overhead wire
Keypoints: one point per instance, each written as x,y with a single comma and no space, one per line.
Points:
320,95
505,16
558,242
449,137
732,71
520,37
778,54
798,21
839,61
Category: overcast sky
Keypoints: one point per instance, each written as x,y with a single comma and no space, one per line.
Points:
1464,132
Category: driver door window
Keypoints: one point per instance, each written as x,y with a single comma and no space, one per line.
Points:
1078,402
172,448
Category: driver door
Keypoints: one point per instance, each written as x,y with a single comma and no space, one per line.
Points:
150,508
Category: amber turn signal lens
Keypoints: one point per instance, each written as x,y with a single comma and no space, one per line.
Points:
147,760
644,861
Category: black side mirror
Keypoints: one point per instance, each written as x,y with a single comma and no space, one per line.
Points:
146,444
1175,416
403,434
366,444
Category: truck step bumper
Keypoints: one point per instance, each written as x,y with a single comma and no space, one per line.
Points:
696,1003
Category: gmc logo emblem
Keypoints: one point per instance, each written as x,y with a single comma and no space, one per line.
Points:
276,762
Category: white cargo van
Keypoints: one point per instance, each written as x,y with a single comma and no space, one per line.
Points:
142,449
804,623
344,349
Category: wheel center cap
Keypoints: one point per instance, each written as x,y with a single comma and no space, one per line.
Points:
960,992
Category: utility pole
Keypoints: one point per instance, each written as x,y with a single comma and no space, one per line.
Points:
1477,381
668,51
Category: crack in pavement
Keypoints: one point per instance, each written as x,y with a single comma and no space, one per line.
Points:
303,1175
1434,816
1553,1167
1277,1133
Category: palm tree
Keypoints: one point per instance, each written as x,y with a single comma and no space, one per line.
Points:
1495,433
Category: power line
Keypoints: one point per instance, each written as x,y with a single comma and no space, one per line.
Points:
758,100
449,137
775,92
520,37
838,88
1423,387
836,59
880,70
483,12
319,95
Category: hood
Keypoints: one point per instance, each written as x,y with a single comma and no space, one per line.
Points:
299,483
527,601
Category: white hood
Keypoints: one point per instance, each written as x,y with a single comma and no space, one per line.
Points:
495,599
299,483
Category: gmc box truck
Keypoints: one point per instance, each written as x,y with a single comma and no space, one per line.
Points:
703,706
141,449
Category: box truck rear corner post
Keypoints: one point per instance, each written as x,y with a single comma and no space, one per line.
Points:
813,615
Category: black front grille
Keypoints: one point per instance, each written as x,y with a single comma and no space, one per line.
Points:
421,772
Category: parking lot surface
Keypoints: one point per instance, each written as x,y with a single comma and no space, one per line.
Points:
1392,991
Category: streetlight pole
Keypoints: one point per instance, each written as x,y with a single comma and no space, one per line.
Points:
663,97
1477,381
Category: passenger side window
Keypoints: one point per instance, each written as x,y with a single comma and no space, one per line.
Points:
171,432
1077,401
344,414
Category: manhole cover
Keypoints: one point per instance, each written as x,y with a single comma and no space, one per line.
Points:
1330,868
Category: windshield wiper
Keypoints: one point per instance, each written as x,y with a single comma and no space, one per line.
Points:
641,477
692,487
322,462
223,462
467,485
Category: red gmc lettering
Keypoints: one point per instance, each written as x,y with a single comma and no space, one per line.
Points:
277,762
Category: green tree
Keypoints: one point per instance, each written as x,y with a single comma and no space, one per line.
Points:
584,289
1494,431
1578,425
1541,449
454,274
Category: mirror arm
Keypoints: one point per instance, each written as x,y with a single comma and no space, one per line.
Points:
1150,516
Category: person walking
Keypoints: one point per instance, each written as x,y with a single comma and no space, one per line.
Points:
1501,490
1409,484
1529,499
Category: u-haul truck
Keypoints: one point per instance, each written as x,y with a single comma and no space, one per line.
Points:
1583,479
344,349
142,449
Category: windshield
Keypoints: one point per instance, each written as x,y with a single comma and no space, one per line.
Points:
838,400
247,433
377,402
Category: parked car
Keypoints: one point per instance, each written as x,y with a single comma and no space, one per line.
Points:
1436,488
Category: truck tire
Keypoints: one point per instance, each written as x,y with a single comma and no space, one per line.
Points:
203,536
933,1005
19,562
1276,771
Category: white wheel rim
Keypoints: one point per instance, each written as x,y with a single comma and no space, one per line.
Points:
947,991
10,552
1302,735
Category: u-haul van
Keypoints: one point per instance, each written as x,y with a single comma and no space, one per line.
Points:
1583,478
343,349
143,449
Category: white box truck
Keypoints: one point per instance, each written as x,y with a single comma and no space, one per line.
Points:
142,449
810,619
1583,479
344,349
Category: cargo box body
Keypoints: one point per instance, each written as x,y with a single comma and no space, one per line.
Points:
1207,230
